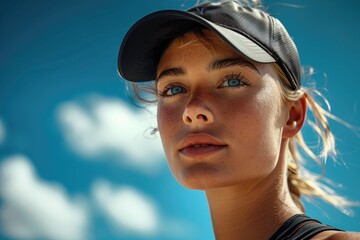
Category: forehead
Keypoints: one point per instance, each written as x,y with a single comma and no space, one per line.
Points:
197,44
203,37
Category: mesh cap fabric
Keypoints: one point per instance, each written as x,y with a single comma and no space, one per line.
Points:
250,31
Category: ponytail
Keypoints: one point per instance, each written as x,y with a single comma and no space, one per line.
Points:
302,182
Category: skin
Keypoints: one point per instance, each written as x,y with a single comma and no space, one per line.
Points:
225,130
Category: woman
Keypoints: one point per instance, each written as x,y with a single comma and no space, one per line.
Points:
230,110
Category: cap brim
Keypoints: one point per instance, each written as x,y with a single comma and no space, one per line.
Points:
144,43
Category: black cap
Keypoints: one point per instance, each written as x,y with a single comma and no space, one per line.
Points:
252,32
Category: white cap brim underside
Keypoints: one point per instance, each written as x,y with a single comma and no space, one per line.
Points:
244,45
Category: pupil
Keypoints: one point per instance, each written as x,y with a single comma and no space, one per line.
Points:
234,82
176,90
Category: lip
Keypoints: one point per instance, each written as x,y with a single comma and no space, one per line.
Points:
200,145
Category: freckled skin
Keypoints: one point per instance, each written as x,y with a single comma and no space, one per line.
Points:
248,119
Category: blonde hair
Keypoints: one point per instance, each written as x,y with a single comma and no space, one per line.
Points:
302,182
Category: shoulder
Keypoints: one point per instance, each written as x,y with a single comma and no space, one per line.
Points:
344,235
334,235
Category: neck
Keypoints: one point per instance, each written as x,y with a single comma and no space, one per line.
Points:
251,211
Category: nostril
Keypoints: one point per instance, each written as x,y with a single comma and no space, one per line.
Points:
202,116
188,119
197,116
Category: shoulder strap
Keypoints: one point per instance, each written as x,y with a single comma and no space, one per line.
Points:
300,227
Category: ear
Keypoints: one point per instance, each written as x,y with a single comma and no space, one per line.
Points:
296,117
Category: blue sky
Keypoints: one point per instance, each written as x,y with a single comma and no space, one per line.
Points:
76,159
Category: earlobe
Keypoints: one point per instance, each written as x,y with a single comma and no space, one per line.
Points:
296,117
293,124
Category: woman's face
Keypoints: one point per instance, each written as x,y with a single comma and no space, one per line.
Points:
220,116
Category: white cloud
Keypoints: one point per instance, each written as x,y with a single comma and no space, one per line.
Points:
127,208
107,126
33,208
131,212
2,132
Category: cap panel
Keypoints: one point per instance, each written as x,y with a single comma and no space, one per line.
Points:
284,46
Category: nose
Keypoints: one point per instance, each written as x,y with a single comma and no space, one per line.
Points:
197,115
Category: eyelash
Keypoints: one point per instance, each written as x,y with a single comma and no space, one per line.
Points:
163,93
234,76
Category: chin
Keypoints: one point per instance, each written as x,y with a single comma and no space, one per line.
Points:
200,176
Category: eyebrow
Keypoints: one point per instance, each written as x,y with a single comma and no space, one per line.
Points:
171,72
231,62
213,65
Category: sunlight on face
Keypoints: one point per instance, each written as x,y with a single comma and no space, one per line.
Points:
220,115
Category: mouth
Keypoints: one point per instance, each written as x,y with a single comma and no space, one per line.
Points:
201,150
200,145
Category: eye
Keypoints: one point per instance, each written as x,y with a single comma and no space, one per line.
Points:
233,80
172,90
231,83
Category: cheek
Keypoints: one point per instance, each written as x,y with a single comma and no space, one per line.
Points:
267,128
255,122
168,119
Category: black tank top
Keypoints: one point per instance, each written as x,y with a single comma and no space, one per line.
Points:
300,227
